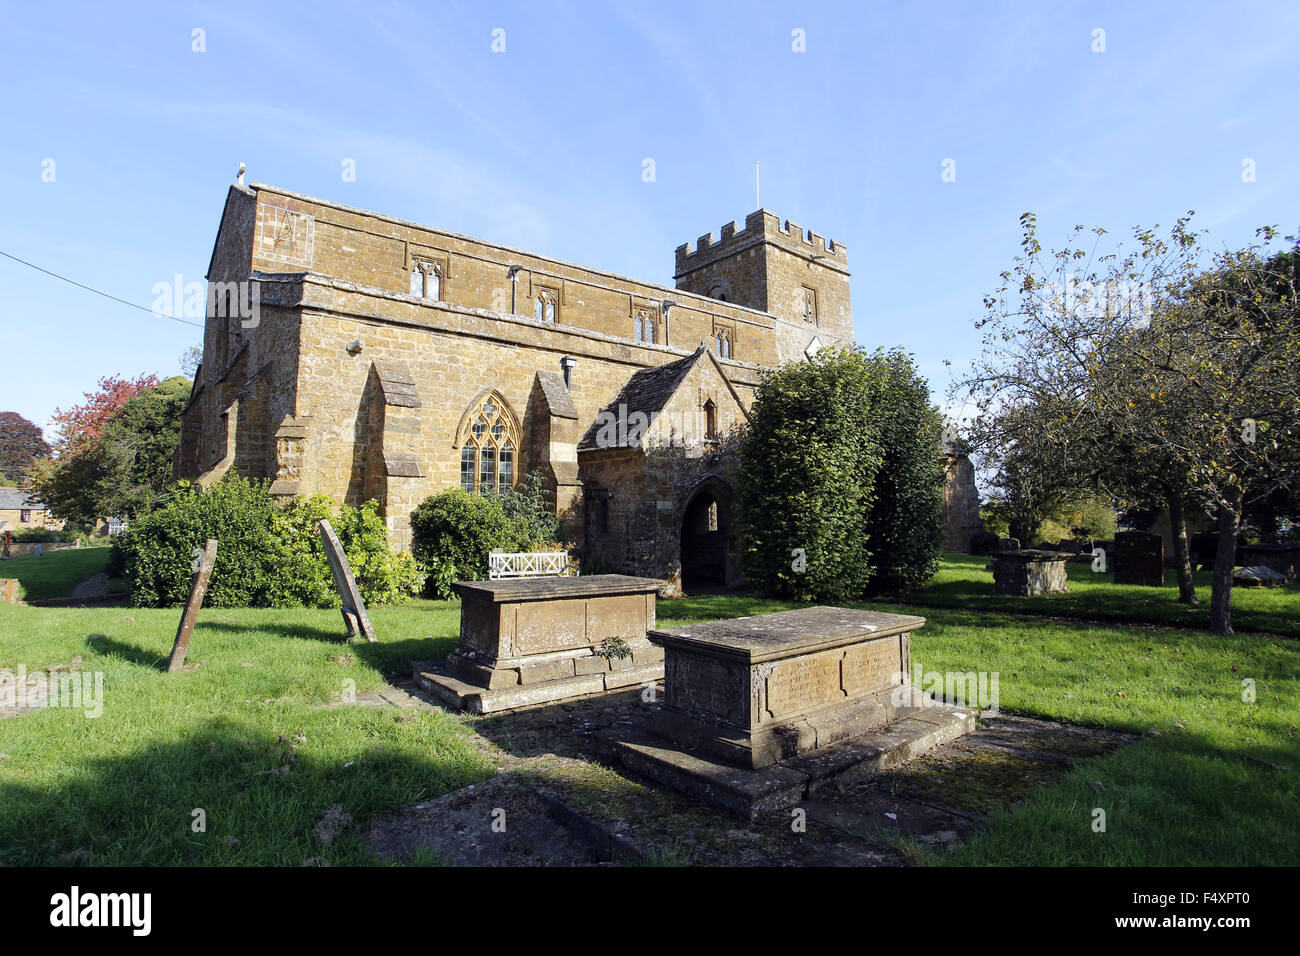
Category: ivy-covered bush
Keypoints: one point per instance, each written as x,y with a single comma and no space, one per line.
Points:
269,555
841,488
529,504
453,531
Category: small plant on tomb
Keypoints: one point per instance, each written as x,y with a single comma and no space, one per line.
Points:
613,647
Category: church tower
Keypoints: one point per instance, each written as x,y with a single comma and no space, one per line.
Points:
776,268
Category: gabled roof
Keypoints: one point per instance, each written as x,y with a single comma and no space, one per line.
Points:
15,499
648,392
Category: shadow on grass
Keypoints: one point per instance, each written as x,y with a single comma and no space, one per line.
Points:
1177,800
1095,597
261,800
103,644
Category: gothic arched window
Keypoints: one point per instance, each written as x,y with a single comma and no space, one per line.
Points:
426,279
722,343
489,440
544,309
643,326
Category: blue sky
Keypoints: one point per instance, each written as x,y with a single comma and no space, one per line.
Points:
542,146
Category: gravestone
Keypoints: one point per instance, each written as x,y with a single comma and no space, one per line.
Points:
203,562
1139,558
9,590
354,609
760,711
531,641
1027,573
1284,559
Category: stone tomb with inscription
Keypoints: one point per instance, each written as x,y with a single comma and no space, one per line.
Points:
759,711
530,641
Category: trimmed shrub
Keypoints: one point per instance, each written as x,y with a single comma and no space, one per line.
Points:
808,463
841,478
453,531
905,526
269,555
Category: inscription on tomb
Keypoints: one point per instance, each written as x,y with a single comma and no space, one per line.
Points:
795,685
873,665
544,626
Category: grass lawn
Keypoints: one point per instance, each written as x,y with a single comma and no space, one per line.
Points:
1219,785
962,582
56,573
247,735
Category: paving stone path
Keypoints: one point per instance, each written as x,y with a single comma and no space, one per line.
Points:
554,802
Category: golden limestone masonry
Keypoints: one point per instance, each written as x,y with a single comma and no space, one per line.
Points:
361,356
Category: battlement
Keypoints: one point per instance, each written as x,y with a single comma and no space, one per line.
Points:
760,226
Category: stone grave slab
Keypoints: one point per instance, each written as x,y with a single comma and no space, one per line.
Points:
530,641
758,711
1029,572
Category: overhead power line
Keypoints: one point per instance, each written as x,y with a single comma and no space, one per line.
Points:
82,285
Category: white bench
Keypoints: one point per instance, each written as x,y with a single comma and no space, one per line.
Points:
527,564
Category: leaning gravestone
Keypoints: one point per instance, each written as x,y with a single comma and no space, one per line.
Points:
1139,558
354,609
202,568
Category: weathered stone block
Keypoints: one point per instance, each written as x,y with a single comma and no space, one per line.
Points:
1028,573
527,641
755,690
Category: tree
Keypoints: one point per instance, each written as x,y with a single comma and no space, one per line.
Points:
84,422
904,528
21,445
139,444
808,463
125,462
1157,370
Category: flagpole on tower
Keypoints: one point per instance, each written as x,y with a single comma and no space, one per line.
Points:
757,197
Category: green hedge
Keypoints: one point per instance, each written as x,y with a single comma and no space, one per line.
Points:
841,488
269,555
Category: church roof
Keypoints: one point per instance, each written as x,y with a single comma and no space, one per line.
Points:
647,391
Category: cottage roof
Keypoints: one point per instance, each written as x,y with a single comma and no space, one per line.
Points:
15,499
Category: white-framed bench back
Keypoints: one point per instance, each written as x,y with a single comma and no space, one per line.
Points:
527,564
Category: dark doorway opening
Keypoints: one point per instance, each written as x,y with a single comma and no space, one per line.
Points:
704,543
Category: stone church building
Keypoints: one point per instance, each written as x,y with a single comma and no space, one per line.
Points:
362,356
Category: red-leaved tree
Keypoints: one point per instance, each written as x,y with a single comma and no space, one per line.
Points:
84,423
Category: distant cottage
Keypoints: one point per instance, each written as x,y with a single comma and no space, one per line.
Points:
369,357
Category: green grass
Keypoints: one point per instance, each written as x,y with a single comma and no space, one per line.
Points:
123,786
55,573
962,582
1218,785
1223,788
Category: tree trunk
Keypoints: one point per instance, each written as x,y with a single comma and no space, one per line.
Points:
1225,560
1182,554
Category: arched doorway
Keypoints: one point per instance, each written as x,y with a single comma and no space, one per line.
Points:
706,529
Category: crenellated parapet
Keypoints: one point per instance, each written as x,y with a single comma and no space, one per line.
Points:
762,226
